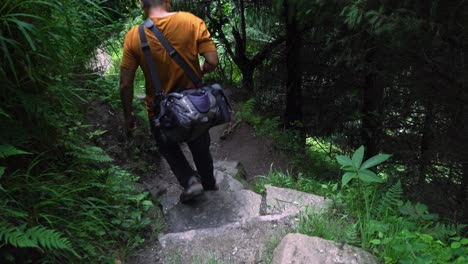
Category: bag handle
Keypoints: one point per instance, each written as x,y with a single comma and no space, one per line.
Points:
172,52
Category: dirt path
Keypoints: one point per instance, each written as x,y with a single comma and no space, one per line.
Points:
255,153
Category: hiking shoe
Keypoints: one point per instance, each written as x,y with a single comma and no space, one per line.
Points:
214,188
194,189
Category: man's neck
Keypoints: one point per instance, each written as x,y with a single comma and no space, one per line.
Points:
158,12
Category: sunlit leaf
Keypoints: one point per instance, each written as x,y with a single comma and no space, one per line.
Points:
358,156
347,177
344,161
368,176
9,150
2,113
455,245
375,160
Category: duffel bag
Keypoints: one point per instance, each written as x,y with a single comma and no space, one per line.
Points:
184,116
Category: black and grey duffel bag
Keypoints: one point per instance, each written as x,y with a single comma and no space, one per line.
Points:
185,115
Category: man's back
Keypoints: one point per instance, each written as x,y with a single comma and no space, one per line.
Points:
189,36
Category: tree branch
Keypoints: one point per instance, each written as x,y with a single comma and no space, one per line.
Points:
266,51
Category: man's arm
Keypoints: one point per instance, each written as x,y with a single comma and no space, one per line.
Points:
126,96
211,62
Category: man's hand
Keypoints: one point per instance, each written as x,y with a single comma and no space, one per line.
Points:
211,61
130,124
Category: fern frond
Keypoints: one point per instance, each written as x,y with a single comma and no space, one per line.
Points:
91,153
351,235
390,201
35,237
246,113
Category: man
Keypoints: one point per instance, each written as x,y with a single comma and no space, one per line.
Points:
190,37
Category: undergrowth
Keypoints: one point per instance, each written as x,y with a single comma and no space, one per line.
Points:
61,199
311,162
370,212
367,210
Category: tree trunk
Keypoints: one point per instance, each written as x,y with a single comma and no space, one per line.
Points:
293,111
462,197
372,110
247,79
426,139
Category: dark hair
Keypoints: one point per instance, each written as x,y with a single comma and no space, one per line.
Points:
152,3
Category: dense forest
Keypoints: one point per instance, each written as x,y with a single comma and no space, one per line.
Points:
333,75
389,75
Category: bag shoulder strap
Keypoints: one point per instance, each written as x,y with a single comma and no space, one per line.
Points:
173,53
149,61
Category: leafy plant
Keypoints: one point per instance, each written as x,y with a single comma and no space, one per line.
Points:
355,169
361,199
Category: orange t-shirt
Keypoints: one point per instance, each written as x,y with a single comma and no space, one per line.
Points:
188,35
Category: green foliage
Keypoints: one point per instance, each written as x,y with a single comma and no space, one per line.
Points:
98,211
313,161
327,226
355,169
283,180
36,237
60,199
372,215
9,150
375,217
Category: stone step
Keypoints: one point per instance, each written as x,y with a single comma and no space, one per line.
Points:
249,241
291,202
298,248
213,209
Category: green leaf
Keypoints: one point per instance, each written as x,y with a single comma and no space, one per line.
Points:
368,176
347,177
421,208
9,150
464,241
4,114
344,160
455,245
376,241
426,238
357,157
2,171
376,160
348,168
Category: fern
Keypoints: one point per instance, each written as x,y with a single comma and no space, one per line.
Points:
246,113
351,235
9,150
36,237
390,201
91,153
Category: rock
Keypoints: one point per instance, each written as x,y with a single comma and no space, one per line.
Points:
288,201
227,183
232,168
246,241
214,209
170,197
168,193
302,249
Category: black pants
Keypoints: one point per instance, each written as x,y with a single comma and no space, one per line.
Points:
200,149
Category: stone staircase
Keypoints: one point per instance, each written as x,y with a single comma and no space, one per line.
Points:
237,225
